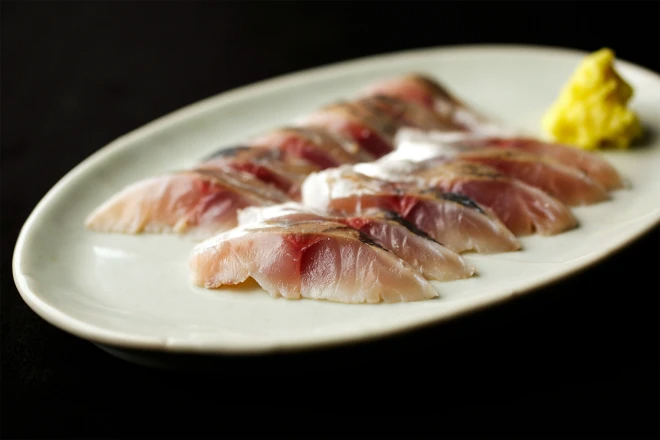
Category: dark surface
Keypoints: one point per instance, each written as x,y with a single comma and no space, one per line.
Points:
578,359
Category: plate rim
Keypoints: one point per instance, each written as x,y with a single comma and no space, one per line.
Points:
98,335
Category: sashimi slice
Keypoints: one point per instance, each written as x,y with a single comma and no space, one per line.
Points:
261,155
314,144
453,220
415,144
308,259
594,166
405,113
268,165
522,208
429,93
566,184
412,245
387,229
199,202
278,175
373,121
373,132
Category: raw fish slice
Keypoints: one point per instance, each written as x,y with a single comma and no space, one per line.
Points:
405,113
387,229
412,245
308,259
268,165
262,155
454,220
383,114
314,144
373,132
522,208
566,184
198,201
414,87
429,93
414,144
590,163
278,175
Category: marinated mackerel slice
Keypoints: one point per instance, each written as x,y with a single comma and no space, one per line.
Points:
200,202
373,132
429,93
386,228
405,113
567,184
522,208
373,121
453,220
308,259
594,166
316,145
274,167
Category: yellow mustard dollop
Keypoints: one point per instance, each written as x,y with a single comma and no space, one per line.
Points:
591,112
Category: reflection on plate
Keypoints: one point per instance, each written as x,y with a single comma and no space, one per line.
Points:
133,291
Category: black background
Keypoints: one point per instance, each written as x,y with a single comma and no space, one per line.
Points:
578,359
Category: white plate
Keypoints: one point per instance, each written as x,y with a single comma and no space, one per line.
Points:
133,291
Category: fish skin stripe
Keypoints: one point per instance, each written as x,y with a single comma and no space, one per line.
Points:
456,198
364,238
225,152
395,217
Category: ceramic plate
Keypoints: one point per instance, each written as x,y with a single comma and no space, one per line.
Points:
133,291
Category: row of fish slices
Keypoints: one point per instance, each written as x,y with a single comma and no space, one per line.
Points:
464,128
353,197
218,206
321,259
347,132
372,185
205,199
211,195
523,208
528,192
270,168
326,261
450,218
338,186
296,250
276,163
352,191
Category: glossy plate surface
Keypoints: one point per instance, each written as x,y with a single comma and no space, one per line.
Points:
133,291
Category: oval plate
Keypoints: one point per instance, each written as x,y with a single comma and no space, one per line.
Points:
133,291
